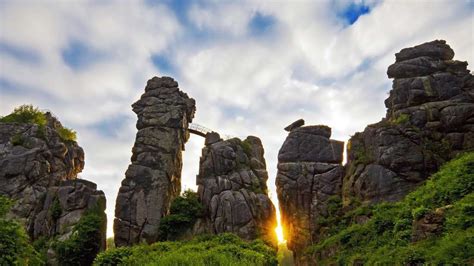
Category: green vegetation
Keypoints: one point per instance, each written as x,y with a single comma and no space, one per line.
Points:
25,114
55,210
184,211
15,248
224,249
85,242
17,140
30,114
386,238
67,134
284,255
400,119
247,147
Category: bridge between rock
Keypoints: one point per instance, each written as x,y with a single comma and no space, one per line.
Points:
199,130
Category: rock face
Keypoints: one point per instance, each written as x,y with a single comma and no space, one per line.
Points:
430,119
38,170
232,188
153,179
309,174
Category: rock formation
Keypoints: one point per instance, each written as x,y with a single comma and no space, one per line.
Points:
38,169
309,174
232,188
430,119
153,179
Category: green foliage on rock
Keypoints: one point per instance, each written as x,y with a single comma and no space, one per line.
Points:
27,113
400,119
15,248
184,211
85,242
67,134
224,249
386,237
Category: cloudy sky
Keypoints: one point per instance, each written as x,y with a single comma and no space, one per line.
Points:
252,66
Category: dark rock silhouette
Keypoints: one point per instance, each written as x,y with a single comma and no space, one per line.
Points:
38,170
153,179
232,187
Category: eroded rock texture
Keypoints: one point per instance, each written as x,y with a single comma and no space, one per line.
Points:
430,119
153,179
309,174
38,170
232,187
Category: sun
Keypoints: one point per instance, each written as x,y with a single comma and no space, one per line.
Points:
279,233
279,229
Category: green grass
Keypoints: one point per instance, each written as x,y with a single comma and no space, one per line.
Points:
386,238
32,115
224,249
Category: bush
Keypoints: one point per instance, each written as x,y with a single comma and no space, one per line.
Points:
25,114
224,249
184,211
386,237
85,242
29,114
401,119
14,242
67,134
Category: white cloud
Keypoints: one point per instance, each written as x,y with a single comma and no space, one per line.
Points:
311,65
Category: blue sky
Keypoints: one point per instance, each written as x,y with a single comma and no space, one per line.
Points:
252,66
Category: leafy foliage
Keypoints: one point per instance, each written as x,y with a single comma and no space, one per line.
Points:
85,242
386,238
27,113
401,119
224,249
67,134
14,242
184,211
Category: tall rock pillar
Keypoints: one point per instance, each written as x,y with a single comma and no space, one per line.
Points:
309,176
153,179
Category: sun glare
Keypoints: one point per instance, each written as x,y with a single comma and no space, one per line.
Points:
279,229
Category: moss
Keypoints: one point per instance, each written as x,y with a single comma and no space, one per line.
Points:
247,147
400,119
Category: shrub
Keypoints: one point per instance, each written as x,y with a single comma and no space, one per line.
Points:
184,211
25,114
224,249
55,210
67,134
85,242
401,119
14,242
386,237
17,140
29,114
420,212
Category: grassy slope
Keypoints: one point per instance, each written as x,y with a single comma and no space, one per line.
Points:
224,249
386,238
